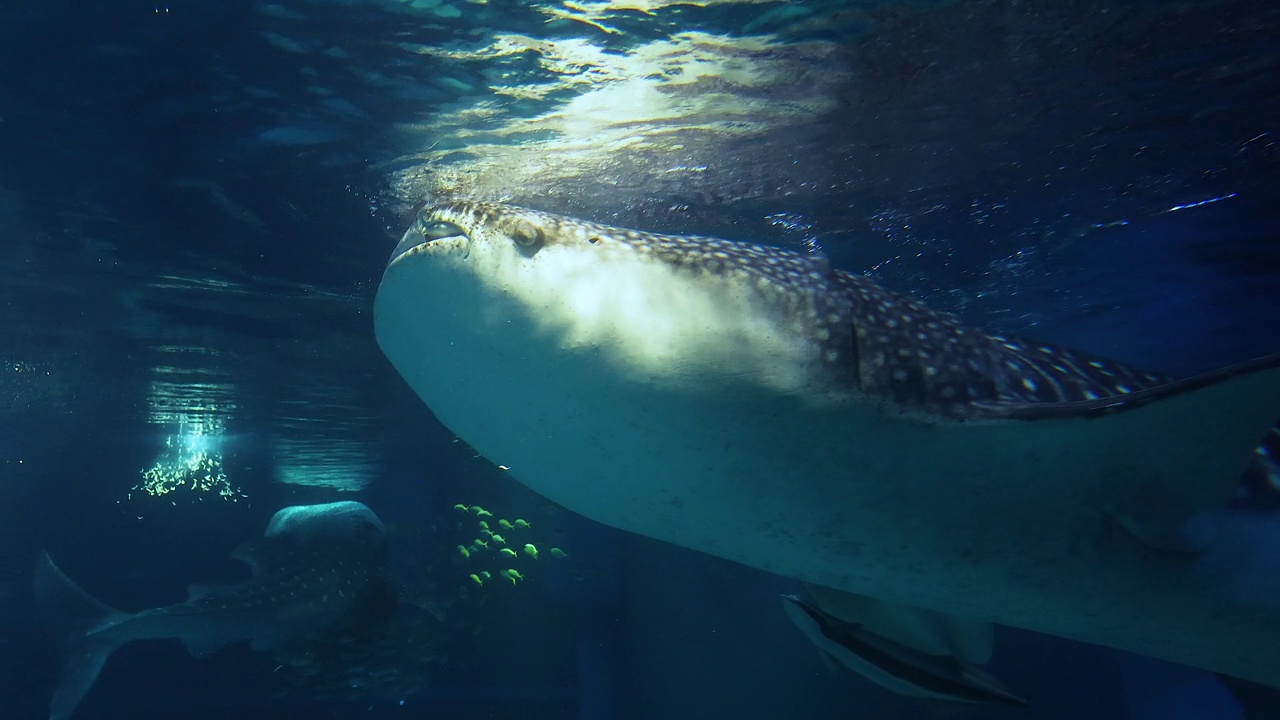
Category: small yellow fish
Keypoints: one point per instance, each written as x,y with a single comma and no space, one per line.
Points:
506,525
485,574
508,552
558,554
531,551
461,507
482,543
485,513
520,523
499,539
476,577
513,575
463,551
484,525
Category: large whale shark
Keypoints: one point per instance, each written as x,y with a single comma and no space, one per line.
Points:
757,404
317,571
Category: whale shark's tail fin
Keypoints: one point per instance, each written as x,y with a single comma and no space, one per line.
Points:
72,615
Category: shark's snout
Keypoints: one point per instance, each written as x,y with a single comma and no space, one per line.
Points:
426,232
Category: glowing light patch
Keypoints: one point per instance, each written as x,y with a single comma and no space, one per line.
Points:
193,416
190,463
681,96
645,315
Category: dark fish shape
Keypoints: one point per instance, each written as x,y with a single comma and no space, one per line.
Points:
316,570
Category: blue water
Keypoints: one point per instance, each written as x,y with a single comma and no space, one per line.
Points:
197,199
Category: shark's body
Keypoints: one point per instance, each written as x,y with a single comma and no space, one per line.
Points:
756,404
316,571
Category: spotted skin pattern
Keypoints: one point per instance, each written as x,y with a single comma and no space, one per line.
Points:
869,340
757,405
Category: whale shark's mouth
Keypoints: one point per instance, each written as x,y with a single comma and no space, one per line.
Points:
435,235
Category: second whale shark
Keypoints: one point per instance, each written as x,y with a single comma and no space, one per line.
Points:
317,572
924,477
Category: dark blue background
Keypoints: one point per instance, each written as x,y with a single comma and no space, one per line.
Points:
1030,191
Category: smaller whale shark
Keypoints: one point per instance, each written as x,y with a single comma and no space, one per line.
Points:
316,572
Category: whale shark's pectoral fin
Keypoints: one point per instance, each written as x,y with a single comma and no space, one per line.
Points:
1173,455
911,651
1252,380
926,631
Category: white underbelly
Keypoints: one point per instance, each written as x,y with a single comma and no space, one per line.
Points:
979,520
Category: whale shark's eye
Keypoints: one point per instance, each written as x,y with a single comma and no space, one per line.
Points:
526,234
436,229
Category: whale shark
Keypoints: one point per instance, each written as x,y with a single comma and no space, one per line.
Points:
316,572
757,404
